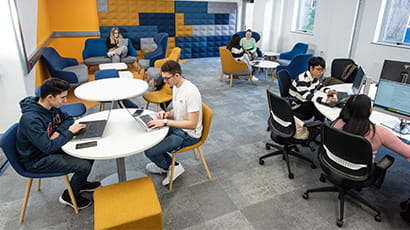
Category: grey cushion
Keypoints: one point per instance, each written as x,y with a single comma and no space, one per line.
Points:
144,63
80,70
97,60
154,73
283,61
128,59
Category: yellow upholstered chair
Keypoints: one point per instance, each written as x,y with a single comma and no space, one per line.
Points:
159,97
131,204
206,125
174,56
232,67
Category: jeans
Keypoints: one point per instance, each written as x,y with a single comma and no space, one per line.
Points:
174,141
60,162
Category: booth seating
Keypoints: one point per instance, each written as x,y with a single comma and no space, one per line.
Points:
127,205
95,52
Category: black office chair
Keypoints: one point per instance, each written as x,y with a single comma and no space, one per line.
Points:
346,160
338,67
282,127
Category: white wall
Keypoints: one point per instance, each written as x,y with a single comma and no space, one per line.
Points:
12,86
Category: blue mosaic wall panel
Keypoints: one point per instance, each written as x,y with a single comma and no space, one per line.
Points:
191,7
164,21
201,46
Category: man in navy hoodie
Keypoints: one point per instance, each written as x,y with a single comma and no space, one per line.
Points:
43,130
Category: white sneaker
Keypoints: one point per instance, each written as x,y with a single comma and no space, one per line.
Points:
153,168
227,76
254,78
178,170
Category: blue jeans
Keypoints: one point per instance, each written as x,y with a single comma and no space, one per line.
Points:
60,162
174,141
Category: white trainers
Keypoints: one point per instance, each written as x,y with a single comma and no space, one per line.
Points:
178,170
254,78
153,168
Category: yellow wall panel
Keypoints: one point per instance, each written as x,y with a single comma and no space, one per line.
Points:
43,23
73,15
183,30
179,19
70,46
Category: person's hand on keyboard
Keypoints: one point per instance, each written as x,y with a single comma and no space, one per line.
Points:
75,128
332,92
330,99
162,115
155,124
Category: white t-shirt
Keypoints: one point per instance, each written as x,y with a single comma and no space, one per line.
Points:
186,99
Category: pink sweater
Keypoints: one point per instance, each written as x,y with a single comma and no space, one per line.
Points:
382,137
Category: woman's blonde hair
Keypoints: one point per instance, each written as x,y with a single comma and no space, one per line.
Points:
112,37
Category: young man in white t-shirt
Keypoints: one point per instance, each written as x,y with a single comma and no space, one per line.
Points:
186,127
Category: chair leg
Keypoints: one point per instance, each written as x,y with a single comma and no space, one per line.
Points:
363,201
70,192
158,108
286,155
101,106
271,154
26,196
146,107
341,208
221,76
273,79
293,153
204,162
196,157
250,79
38,184
171,176
153,84
323,189
230,80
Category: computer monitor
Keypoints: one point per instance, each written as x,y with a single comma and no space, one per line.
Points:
396,71
393,98
358,80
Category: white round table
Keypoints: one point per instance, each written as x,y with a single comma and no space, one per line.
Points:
123,136
267,65
270,55
111,89
117,66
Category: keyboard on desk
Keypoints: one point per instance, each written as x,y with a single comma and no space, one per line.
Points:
341,95
94,129
146,118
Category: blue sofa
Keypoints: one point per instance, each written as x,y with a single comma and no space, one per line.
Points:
95,52
286,57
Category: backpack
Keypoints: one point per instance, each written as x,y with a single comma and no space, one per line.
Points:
349,73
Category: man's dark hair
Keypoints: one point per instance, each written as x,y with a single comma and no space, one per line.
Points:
315,61
171,67
53,86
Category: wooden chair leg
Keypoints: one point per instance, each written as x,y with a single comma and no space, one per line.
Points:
250,79
196,157
158,108
70,192
26,196
174,157
204,162
153,84
101,106
273,79
146,107
38,184
230,83
221,76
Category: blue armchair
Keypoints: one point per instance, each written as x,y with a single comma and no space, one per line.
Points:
95,52
298,65
8,144
161,39
67,69
298,48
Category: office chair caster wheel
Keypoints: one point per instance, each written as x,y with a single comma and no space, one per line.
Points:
322,178
339,223
305,196
291,176
313,166
267,147
378,218
261,162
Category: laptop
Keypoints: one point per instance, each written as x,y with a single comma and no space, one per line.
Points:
123,42
94,129
143,117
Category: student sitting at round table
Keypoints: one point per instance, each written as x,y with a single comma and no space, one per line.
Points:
115,50
248,43
303,89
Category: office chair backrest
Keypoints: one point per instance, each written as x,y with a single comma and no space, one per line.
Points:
339,65
8,144
229,64
345,156
284,82
281,121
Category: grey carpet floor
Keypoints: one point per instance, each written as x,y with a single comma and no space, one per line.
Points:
241,195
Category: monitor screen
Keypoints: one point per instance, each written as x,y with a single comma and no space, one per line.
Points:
393,98
358,80
396,71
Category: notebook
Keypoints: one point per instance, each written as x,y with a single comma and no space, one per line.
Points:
143,118
123,42
94,129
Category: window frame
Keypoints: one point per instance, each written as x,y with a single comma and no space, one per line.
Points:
297,14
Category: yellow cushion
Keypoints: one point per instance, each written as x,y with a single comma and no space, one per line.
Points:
127,205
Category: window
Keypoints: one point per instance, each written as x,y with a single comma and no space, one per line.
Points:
395,22
304,15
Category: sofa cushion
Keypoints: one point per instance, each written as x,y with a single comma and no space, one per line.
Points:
97,60
80,70
128,59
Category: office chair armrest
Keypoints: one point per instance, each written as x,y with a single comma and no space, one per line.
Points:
382,167
291,99
312,124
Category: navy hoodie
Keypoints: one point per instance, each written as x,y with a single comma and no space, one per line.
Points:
36,126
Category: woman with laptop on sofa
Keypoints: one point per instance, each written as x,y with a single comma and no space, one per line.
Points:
116,49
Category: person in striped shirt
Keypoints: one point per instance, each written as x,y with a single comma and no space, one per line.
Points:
303,89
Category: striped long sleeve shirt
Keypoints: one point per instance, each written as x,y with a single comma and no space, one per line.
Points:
304,87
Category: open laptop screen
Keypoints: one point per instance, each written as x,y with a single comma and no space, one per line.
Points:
358,80
393,98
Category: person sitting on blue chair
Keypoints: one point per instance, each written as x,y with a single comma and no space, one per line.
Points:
239,54
248,43
303,89
115,50
43,130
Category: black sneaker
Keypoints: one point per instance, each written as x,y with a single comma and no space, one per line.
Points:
90,186
81,201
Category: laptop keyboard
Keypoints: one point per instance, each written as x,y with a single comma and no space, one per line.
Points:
146,118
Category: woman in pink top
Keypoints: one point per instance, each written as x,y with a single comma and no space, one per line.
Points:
354,118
